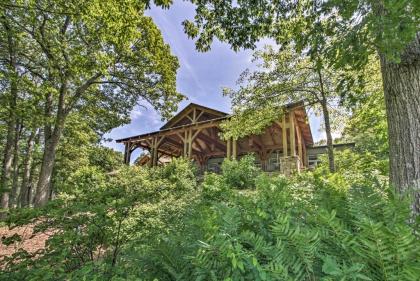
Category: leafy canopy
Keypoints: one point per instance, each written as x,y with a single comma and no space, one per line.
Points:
104,54
282,77
348,32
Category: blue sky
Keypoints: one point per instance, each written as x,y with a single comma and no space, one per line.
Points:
201,76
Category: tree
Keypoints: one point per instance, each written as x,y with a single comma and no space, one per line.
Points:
104,53
346,33
283,77
9,70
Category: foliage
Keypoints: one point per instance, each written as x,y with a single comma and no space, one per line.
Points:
307,228
87,64
95,217
282,77
346,32
240,174
148,224
367,125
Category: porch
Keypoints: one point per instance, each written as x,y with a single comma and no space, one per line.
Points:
195,134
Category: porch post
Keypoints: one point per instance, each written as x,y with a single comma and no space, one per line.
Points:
152,153
228,148
300,147
284,135
185,143
155,152
189,143
127,153
292,134
234,149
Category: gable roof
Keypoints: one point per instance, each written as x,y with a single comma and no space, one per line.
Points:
173,123
213,114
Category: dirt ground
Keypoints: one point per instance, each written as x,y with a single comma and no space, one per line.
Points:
31,243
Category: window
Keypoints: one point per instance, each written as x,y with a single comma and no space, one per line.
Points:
313,161
273,163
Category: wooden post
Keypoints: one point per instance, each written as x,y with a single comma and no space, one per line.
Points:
300,148
157,142
127,153
228,148
305,154
152,153
190,143
234,149
185,143
155,151
284,135
292,134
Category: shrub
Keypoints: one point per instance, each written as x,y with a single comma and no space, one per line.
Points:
290,230
157,224
240,174
97,216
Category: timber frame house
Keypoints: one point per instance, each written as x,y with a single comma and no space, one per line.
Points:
193,133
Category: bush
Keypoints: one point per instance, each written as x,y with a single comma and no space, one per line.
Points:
97,216
305,228
157,224
240,174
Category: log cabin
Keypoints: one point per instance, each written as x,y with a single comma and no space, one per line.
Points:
285,146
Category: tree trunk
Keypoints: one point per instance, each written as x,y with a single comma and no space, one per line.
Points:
15,186
326,114
43,187
25,190
330,146
11,122
401,83
7,160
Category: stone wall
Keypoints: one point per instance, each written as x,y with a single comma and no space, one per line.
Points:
289,165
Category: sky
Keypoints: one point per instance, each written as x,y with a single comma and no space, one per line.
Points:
200,78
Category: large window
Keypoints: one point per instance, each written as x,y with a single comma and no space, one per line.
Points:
312,161
273,163
214,164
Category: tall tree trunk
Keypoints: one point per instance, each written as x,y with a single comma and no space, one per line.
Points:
8,159
25,189
401,83
330,146
11,123
43,187
15,186
327,123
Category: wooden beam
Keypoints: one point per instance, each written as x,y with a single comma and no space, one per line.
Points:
127,153
199,115
180,129
219,144
284,135
180,145
292,134
185,143
228,148
299,139
189,143
195,134
197,142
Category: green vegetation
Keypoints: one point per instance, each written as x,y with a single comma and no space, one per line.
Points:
70,71
160,224
345,34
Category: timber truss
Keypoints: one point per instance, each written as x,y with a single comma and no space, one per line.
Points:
194,133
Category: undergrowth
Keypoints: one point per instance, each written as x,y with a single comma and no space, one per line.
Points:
160,224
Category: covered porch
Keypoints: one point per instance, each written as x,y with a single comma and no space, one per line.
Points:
281,147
